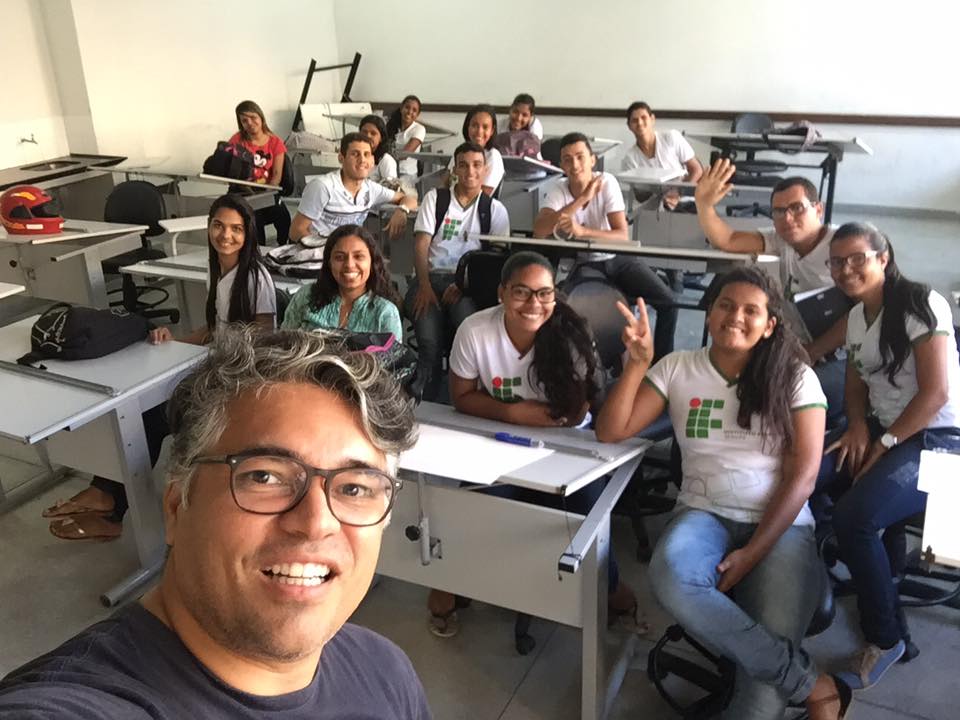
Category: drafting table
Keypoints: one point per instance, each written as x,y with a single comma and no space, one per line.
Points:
435,133
518,555
260,196
67,266
8,289
89,416
177,226
690,260
523,187
833,148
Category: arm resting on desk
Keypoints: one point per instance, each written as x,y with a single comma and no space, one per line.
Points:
300,227
470,399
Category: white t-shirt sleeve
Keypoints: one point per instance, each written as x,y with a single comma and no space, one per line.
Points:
427,215
943,319
464,361
629,160
661,374
315,197
536,127
494,169
554,198
499,219
808,392
380,195
684,149
772,243
611,195
387,167
266,295
416,131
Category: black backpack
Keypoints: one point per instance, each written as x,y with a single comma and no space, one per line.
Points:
230,161
66,332
443,204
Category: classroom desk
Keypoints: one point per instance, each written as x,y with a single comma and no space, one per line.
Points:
260,195
690,260
67,266
189,272
8,289
517,555
88,414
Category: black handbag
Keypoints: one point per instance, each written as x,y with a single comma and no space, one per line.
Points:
67,332
399,359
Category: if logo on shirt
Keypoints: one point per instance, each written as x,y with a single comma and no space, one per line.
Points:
505,389
699,422
853,352
450,228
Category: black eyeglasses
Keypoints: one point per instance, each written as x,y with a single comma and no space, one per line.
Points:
857,260
794,209
273,484
522,293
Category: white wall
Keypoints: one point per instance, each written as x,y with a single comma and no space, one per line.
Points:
163,78
30,104
850,57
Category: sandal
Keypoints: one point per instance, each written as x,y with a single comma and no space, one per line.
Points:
86,527
817,708
447,624
68,508
627,619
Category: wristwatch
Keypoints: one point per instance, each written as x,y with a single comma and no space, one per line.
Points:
889,441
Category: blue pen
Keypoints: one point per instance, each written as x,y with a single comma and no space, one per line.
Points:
532,443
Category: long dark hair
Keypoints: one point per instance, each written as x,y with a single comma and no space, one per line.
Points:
768,382
564,354
386,140
249,106
900,296
476,110
393,122
243,305
325,290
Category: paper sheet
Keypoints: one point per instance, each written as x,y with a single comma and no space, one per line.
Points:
940,478
466,456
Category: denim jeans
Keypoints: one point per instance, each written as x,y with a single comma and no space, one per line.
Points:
883,497
435,329
832,375
761,623
634,278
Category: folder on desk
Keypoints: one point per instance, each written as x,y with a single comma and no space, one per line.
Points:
821,308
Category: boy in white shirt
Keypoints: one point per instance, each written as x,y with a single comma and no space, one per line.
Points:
590,205
346,196
434,301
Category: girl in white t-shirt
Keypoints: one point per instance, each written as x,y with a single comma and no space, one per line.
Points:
523,115
385,169
737,566
902,397
408,135
480,127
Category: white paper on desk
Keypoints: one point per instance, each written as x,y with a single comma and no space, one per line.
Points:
940,478
466,456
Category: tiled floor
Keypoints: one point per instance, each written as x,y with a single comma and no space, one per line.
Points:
49,589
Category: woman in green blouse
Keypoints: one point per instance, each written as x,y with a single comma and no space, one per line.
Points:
353,290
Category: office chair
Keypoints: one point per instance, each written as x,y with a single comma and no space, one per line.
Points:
550,151
138,202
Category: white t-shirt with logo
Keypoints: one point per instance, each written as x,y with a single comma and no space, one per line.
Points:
888,401
459,230
800,274
266,295
483,350
495,169
608,200
672,151
416,131
329,204
386,169
727,470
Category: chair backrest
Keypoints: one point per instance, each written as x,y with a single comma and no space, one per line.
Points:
478,276
595,300
283,299
550,151
751,123
136,202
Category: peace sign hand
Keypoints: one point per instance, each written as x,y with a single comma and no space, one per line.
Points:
636,335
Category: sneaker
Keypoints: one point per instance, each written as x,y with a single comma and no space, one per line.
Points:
870,666
445,626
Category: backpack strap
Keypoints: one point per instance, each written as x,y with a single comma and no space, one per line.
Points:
485,208
443,204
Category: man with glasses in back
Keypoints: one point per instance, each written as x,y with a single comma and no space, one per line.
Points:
802,241
282,476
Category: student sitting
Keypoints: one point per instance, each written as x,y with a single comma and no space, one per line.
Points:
407,135
523,115
903,396
802,241
448,226
656,149
384,171
353,290
269,154
242,291
540,342
738,564
346,196
480,127
586,204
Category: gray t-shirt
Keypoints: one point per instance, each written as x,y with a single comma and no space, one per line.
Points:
133,666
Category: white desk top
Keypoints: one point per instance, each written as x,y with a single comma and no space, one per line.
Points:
184,224
32,408
8,289
234,181
648,176
192,267
559,473
847,144
73,230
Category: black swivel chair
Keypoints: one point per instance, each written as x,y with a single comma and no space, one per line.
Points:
750,170
550,151
137,202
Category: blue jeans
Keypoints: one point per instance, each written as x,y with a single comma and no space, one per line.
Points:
832,375
435,329
883,497
761,624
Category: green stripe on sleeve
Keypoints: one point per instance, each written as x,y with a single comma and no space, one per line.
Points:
807,407
659,391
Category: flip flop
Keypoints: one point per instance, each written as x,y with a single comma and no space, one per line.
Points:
86,527
68,508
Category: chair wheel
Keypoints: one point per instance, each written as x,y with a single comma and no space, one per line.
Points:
525,644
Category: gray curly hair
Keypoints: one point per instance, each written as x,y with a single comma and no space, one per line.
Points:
243,358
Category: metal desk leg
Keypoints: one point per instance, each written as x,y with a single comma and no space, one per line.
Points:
144,515
830,169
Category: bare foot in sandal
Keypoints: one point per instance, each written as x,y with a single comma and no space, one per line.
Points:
90,526
89,500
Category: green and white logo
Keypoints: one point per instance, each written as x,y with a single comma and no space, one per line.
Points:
699,422
451,228
506,389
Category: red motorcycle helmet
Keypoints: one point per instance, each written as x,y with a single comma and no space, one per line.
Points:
28,210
